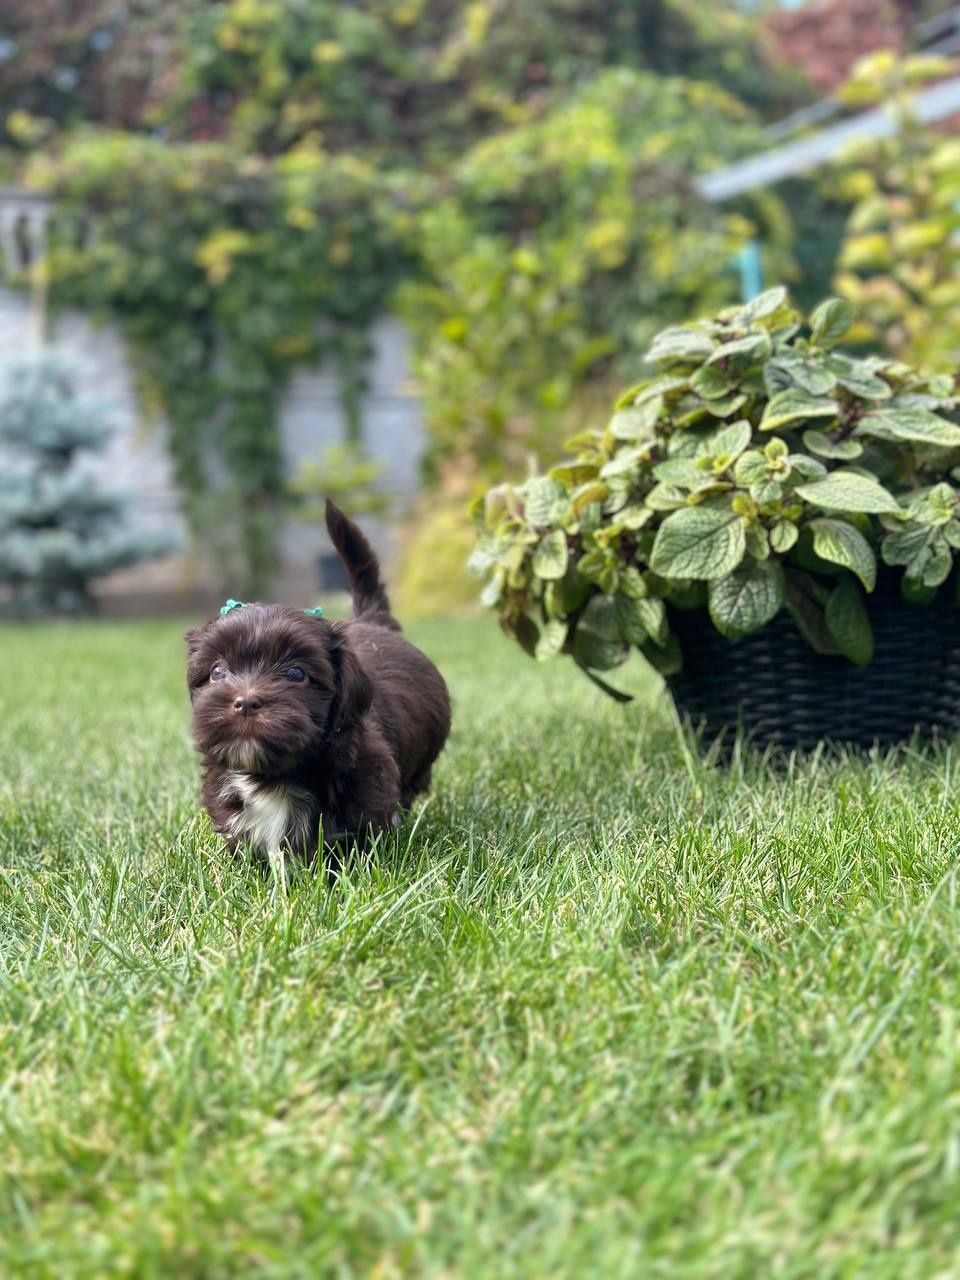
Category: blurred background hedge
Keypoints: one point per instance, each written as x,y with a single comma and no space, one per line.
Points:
517,179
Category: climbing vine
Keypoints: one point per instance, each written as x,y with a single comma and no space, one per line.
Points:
226,272
305,159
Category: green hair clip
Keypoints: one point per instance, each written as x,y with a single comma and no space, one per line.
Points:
230,605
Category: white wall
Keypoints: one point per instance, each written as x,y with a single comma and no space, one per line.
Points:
311,419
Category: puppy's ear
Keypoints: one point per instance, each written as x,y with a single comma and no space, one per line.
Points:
194,639
354,692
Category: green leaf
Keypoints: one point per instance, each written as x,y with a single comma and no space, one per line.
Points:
542,499
584,494
831,320
638,421
634,515
602,616
865,385
751,468
698,542
680,346
820,443
492,593
666,497
726,407
746,599
840,543
730,440
843,490
806,467
938,566
681,471
551,556
909,546
805,600
710,383
623,462
552,639
919,425
783,535
766,491
849,623
575,474
593,651
764,304
794,405
753,346
758,542
785,371
630,620
653,615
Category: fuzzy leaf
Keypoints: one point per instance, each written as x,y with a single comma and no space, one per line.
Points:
751,468
794,405
842,544
551,556
730,440
636,422
831,320
698,543
783,535
542,498
630,620
653,614
849,623
552,639
753,346
820,443
909,424
794,371
746,599
634,515
763,305
805,600
848,491
680,346
710,383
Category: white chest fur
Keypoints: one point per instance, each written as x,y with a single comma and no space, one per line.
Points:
273,816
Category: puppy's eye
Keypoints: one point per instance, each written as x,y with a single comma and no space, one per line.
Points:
218,673
294,673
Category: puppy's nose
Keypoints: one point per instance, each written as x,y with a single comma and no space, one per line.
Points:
247,703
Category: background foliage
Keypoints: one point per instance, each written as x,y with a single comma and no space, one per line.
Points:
900,261
257,176
60,528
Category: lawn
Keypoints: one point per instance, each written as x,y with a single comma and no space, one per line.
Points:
596,1010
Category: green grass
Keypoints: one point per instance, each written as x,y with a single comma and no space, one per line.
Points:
597,1010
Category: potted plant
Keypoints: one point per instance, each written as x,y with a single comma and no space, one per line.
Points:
770,521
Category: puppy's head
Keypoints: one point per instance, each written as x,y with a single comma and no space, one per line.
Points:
271,687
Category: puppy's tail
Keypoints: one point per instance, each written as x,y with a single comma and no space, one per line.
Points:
363,569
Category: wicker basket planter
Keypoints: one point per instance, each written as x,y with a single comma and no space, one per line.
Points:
781,693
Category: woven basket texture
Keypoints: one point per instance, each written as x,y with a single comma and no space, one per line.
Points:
782,693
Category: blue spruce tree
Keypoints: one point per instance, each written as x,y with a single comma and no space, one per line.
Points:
59,529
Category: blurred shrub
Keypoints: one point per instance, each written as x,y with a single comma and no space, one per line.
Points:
346,475
307,158
900,261
59,528
218,266
417,81
562,245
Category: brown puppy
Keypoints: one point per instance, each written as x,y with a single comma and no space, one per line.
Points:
313,732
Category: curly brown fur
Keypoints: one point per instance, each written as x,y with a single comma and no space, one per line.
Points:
313,733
